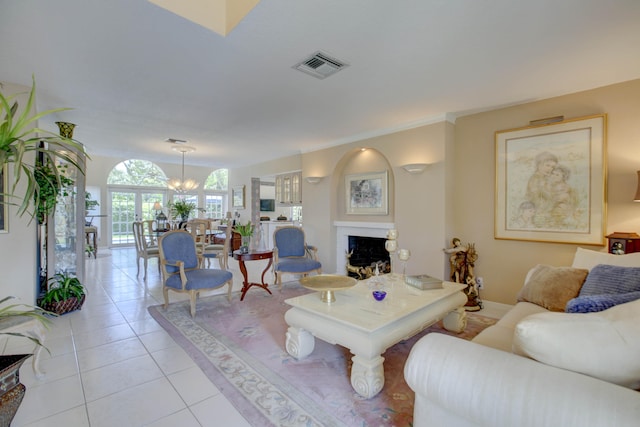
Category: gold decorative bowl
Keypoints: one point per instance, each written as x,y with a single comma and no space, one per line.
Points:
327,284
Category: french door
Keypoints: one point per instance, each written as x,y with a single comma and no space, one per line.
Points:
128,205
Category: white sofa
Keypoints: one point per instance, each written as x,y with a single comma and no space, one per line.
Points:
494,381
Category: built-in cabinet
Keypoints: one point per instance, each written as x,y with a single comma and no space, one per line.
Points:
289,189
62,236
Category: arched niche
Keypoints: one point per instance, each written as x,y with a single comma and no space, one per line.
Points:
359,161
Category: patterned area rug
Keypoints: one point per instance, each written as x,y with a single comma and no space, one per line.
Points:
241,348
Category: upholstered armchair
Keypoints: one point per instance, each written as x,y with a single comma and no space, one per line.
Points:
291,254
181,270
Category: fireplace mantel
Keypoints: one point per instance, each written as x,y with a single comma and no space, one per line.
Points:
344,229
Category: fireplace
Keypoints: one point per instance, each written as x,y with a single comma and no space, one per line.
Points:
365,254
346,229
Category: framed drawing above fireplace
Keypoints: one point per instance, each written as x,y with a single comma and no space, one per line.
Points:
367,194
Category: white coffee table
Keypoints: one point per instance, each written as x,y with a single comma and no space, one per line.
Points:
368,327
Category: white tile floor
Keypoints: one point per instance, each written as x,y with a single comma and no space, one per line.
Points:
111,364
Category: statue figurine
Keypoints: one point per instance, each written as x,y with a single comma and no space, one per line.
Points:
462,263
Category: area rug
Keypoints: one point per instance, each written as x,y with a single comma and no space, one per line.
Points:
240,346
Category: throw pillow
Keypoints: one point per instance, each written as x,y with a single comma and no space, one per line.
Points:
585,258
595,303
603,345
552,287
611,279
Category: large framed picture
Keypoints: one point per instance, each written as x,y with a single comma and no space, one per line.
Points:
237,196
4,206
550,182
367,194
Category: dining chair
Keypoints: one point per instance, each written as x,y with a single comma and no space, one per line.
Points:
182,272
219,250
144,249
291,254
150,227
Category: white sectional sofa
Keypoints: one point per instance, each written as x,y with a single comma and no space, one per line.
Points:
538,367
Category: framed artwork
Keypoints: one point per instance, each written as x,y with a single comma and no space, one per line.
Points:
367,194
4,207
550,182
237,196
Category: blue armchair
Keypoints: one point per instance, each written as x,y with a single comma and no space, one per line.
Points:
180,268
291,254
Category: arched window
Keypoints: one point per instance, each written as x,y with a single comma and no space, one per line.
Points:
139,173
135,186
215,193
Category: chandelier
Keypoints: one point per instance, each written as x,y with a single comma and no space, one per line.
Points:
182,185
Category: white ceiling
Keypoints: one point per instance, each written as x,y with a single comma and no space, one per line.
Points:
136,74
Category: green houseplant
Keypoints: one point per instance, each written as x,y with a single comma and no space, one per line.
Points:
12,391
245,231
65,294
182,209
19,135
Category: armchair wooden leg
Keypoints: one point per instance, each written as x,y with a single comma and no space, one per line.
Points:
165,293
193,295
230,285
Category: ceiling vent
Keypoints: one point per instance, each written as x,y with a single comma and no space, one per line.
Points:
320,65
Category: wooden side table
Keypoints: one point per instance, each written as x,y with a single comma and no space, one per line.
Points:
252,256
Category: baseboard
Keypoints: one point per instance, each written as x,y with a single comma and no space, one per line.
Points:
494,309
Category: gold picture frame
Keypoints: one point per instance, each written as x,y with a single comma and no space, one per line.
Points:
4,206
237,197
367,194
550,182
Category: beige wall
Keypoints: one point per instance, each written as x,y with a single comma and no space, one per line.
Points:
19,245
417,203
454,197
504,263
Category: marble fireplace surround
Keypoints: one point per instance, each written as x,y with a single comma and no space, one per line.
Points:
344,229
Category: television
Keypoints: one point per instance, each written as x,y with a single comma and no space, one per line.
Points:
267,205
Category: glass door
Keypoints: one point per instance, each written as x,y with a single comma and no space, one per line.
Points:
129,205
123,213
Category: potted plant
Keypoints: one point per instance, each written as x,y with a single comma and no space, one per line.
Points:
245,231
52,182
12,392
182,209
20,135
89,203
65,294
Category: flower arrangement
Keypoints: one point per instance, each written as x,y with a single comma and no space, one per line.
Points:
245,230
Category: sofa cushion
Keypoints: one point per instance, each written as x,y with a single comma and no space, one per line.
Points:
603,345
611,279
595,303
585,258
500,335
552,287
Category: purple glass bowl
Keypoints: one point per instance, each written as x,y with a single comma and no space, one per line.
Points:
379,295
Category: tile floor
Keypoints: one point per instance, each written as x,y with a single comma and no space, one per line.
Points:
111,364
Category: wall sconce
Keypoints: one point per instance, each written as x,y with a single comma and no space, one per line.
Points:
313,179
637,197
415,167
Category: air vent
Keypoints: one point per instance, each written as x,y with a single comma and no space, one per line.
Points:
320,65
